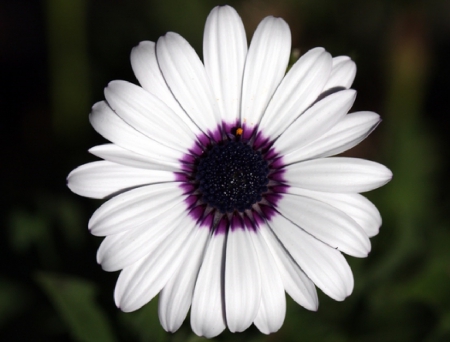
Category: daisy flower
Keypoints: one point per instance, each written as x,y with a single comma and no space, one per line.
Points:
222,192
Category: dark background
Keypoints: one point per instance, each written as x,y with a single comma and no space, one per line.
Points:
57,56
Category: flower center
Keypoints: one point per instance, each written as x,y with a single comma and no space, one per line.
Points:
232,176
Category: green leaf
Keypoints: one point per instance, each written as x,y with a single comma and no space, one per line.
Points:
143,324
14,298
74,300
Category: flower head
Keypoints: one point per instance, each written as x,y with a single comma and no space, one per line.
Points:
224,191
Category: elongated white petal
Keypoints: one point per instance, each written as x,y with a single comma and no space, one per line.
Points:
134,207
326,223
140,282
148,115
316,121
299,89
176,297
272,309
342,74
119,155
113,128
208,307
295,281
347,133
186,77
356,206
224,52
338,174
146,69
102,178
266,63
324,265
121,250
242,280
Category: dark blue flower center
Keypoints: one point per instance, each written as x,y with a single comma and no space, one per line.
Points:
232,176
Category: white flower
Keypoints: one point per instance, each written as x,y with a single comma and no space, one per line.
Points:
224,194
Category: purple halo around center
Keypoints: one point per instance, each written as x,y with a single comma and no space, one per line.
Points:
209,216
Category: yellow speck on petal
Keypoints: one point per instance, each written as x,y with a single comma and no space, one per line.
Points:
239,131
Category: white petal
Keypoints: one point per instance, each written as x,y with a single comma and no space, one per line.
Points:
325,223
186,77
146,69
242,279
356,206
139,283
134,207
224,52
347,133
317,120
113,128
272,309
337,174
119,155
266,63
342,74
176,297
299,89
102,178
295,281
148,115
207,312
324,265
121,250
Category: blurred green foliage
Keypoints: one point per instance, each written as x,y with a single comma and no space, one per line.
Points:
51,287
74,300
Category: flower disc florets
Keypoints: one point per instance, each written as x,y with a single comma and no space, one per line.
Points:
232,176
